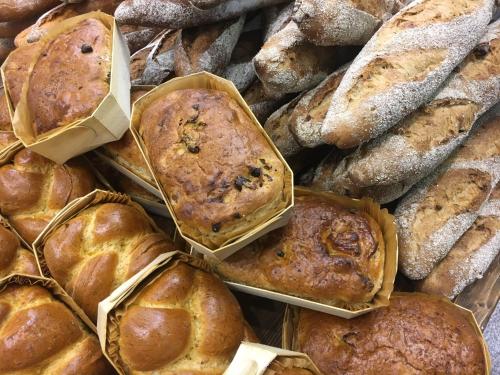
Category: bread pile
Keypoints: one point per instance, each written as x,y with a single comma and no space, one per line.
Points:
390,102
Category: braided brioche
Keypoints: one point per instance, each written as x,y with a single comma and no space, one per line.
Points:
13,257
40,335
100,248
33,189
184,322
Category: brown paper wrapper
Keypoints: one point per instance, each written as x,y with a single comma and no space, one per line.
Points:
55,290
290,321
72,210
107,123
381,298
109,313
254,359
206,80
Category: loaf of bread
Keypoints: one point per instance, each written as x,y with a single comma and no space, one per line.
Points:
220,174
326,253
440,208
71,76
207,48
182,14
7,136
287,63
93,253
415,334
10,29
342,22
184,322
40,335
402,66
33,190
388,166
6,46
282,366
322,174
471,255
137,37
19,10
14,258
260,103
276,18
206,4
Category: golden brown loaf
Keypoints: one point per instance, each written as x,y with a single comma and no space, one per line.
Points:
33,189
415,334
7,136
185,322
220,174
71,76
285,366
326,253
18,10
14,258
100,248
40,335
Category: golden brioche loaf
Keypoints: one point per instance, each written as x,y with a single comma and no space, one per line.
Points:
71,76
14,258
220,174
326,253
415,334
33,189
93,253
41,335
184,322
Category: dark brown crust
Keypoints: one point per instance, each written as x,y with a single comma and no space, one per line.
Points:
18,10
5,124
13,257
203,148
416,334
325,253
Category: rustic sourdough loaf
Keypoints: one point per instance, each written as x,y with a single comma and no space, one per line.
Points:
402,66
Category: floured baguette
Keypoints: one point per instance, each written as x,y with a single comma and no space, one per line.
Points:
439,209
276,18
207,48
471,256
322,175
342,22
206,4
6,45
262,105
389,165
138,37
402,66
181,14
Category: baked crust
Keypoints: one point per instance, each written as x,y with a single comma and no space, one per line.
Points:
14,258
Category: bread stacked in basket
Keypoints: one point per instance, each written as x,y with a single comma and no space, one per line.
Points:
306,158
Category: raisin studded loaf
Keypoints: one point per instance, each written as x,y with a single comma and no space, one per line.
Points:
415,334
325,253
100,248
41,335
33,189
14,258
71,76
220,174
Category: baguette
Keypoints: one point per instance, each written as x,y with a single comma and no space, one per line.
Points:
207,48
439,209
6,46
206,4
322,175
181,14
402,66
262,105
138,37
19,10
393,162
342,22
471,256
288,64
12,28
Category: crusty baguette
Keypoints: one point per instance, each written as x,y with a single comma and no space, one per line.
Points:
322,175
287,63
471,256
12,28
402,66
342,22
207,48
440,208
388,166
138,37
181,14
262,105
6,45
276,18
206,4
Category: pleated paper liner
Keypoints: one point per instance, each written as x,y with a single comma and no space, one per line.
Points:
206,80
290,321
73,209
107,123
255,359
109,313
346,310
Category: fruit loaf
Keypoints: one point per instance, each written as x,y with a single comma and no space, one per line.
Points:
471,255
207,48
402,66
422,141
440,208
342,22
181,14
14,258
19,10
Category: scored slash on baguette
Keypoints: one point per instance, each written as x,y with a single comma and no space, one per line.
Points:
402,66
